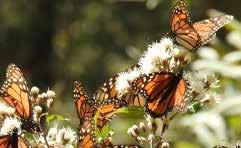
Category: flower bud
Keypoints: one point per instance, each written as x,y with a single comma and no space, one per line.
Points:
38,109
51,94
34,91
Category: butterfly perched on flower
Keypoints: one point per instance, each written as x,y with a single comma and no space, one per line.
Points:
15,93
193,35
83,103
87,138
13,140
108,93
163,91
108,100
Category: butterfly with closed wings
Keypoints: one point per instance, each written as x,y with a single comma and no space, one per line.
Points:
15,93
193,35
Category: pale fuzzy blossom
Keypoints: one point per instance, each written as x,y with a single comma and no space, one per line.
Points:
212,80
6,110
9,125
196,83
124,80
52,134
167,44
66,136
211,98
157,54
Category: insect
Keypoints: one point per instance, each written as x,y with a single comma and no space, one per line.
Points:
12,140
193,35
16,93
88,139
163,92
107,100
108,93
83,103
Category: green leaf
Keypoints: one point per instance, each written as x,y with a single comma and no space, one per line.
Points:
53,117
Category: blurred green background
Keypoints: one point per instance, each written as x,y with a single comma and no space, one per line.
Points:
58,41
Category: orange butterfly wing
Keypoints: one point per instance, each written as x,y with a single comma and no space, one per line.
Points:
182,28
208,28
83,103
22,143
163,92
87,134
106,113
11,141
15,92
107,92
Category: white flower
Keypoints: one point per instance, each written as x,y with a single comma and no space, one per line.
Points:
124,79
51,94
196,81
212,80
156,54
66,136
6,110
10,124
122,84
211,98
38,109
52,133
167,44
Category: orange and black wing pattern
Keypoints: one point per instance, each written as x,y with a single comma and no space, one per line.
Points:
163,92
15,92
87,137
107,94
12,141
182,27
83,103
106,113
207,28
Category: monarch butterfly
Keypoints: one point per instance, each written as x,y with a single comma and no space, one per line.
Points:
12,140
163,91
107,100
16,93
86,109
88,139
192,36
83,103
108,92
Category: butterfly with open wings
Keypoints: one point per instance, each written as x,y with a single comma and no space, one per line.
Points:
193,35
86,111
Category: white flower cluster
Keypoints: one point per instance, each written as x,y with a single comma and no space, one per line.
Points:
199,84
6,110
124,79
65,137
10,125
41,102
160,56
